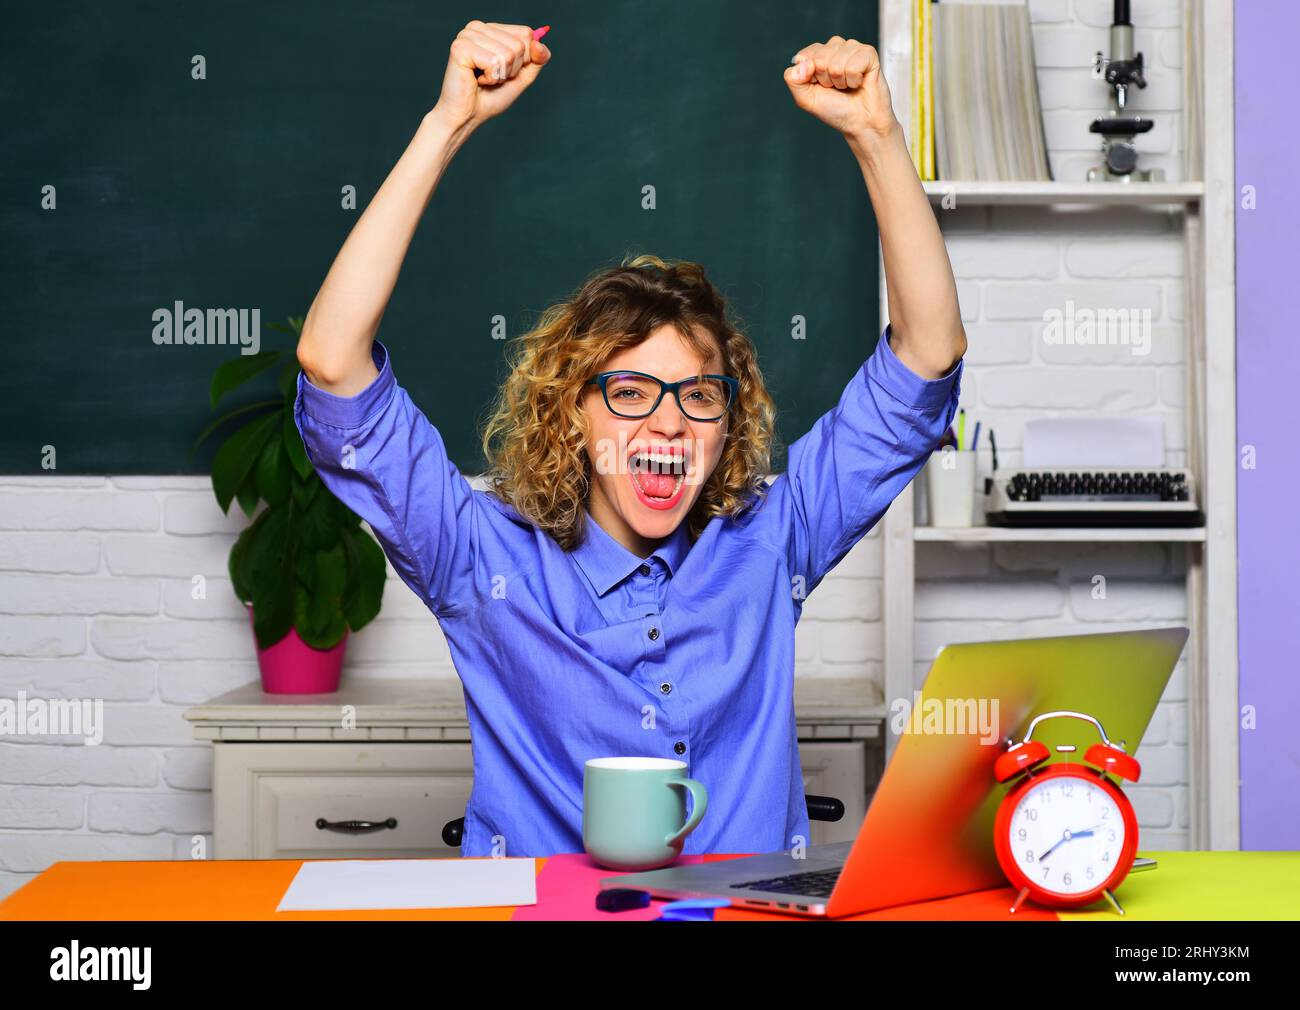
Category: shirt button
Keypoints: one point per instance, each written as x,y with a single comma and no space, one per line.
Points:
665,688
644,569
679,748
653,633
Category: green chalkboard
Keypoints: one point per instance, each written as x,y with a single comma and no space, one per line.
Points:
227,193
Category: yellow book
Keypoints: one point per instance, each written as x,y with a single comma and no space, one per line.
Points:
914,127
927,172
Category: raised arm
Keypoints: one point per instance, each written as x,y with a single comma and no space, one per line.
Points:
841,83
860,454
335,347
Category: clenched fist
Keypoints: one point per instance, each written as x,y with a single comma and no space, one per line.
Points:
841,83
489,67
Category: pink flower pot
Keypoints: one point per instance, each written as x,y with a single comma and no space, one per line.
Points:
291,666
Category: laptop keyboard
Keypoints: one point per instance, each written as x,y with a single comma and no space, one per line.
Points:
812,884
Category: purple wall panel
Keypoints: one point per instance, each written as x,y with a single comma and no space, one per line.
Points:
1268,417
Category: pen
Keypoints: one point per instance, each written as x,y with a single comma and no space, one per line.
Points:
993,443
961,427
975,439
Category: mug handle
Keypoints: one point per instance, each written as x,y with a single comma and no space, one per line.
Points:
699,804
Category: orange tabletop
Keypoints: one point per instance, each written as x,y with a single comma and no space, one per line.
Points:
1186,885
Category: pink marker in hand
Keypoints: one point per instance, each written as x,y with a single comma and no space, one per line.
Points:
537,37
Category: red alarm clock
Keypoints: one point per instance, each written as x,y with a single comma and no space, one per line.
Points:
1065,834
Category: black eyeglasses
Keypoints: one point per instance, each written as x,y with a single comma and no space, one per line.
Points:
636,394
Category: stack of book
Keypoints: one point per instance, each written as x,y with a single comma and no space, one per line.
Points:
975,109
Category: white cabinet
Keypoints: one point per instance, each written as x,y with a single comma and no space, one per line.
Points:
330,800
839,770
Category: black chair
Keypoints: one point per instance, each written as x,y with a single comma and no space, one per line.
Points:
820,808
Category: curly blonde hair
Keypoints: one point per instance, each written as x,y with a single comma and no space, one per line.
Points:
535,439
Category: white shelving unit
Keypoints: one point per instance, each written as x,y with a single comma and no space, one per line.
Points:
975,194
1207,208
1065,535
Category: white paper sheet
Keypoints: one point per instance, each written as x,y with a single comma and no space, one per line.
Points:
410,883
1133,442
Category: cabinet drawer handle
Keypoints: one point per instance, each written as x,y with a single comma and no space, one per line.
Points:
355,827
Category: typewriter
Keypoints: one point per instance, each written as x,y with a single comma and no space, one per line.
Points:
1104,471
1071,496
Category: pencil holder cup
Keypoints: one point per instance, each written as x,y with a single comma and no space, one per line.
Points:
950,483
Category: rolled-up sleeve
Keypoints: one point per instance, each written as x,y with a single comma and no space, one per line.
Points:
855,460
379,455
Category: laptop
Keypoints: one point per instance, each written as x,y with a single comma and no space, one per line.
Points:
928,832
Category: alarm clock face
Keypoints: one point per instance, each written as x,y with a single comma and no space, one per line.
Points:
1067,834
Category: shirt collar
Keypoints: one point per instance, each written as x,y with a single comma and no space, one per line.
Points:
606,562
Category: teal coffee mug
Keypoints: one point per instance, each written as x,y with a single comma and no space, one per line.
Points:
634,811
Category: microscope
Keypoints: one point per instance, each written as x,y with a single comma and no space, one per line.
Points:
1122,70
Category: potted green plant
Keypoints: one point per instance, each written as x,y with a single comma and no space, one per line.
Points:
305,568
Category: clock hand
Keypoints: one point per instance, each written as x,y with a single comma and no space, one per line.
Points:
1066,836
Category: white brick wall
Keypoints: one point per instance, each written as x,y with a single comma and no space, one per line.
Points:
1014,263
96,602
95,573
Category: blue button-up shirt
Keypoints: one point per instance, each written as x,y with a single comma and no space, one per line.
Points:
686,654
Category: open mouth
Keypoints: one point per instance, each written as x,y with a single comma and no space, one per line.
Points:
657,478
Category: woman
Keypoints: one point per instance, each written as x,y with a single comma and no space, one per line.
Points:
630,585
